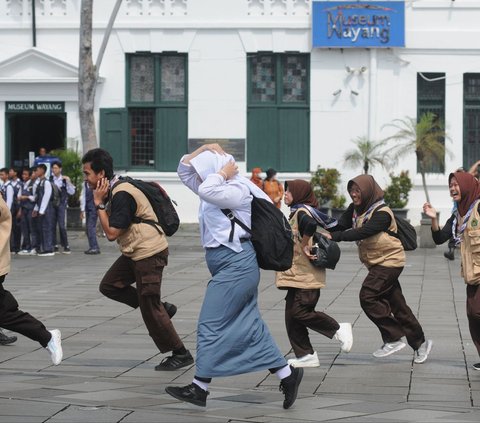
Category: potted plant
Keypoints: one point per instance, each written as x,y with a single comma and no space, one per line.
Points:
338,206
367,154
396,194
324,184
72,167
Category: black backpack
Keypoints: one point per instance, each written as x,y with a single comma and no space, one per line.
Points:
406,233
167,217
272,235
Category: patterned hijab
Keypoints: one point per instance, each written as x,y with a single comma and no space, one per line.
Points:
371,192
469,190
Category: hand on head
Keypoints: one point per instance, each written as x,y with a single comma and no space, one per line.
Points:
230,169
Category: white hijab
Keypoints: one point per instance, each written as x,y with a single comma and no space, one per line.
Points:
210,162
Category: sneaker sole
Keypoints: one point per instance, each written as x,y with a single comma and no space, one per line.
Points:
178,397
298,365
172,369
429,349
397,349
476,368
66,252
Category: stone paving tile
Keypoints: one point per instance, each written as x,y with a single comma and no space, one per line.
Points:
107,373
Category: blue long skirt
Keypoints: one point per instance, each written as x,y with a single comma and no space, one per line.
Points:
232,337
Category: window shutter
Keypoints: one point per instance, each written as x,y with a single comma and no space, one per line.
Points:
114,135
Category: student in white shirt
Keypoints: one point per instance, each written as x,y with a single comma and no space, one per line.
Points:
232,337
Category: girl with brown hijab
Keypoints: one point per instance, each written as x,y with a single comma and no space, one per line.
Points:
303,281
464,226
366,221
255,178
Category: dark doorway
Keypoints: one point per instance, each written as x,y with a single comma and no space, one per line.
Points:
30,132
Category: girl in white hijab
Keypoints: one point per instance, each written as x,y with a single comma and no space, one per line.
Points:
232,337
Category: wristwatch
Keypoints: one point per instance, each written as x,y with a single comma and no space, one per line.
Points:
101,206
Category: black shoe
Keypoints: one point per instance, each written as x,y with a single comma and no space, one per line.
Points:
191,393
450,254
92,252
175,361
171,309
289,386
476,366
5,340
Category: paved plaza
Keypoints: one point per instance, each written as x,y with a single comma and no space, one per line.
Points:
108,370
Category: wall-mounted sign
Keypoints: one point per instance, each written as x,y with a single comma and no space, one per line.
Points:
233,146
35,107
345,24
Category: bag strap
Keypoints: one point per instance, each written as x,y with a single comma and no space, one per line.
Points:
153,223
388,231
233,220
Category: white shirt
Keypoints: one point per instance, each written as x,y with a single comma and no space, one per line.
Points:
215,194
58,181
9,194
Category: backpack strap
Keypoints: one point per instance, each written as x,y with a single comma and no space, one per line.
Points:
388,231
136,219
233,220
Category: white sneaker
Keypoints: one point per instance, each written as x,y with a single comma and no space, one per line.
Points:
389,348
54,347
50,254
24,253
421,354
345,336
33,252
309,360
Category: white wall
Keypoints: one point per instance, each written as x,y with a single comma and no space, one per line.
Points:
442,36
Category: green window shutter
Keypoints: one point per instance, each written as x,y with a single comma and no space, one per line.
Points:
114,135
294,137
262,136
171,137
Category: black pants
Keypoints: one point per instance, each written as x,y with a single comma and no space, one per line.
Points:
16,320
473,313
300,315
383,302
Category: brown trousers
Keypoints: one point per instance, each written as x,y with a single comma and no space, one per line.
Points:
383,302
300,315
147,273
473,313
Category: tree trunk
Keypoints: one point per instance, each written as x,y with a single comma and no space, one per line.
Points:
424,180
365,167
86,79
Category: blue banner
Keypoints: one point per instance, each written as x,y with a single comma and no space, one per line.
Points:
379,24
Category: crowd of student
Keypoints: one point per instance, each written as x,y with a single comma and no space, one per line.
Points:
232,337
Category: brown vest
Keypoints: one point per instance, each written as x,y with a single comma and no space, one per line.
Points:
140,240
381,249
470,248
5,228
302,274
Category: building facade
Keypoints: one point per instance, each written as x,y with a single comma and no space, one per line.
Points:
177,73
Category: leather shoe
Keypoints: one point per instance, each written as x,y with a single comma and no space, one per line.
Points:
191,393
289,386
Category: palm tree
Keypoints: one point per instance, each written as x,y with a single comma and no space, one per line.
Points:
368,154
425,138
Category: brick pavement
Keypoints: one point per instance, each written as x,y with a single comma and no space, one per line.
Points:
107,374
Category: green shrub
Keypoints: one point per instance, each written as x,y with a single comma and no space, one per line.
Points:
338,202
325,185
396,194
